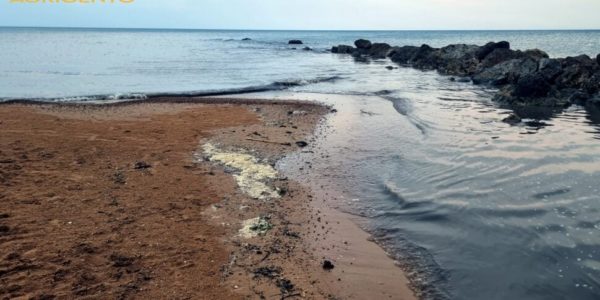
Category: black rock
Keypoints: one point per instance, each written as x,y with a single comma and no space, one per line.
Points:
379,50
592,85
328,265
141,165
389,67
402,55
307,48
302,144
342,49
425,58
362,44
532,85
498,56
512,119
549,68
598,59
490,47
536,54
295,42
505,73
246,39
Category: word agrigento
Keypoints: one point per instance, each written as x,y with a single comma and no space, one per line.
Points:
72,1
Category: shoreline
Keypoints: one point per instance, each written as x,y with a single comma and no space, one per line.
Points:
121,200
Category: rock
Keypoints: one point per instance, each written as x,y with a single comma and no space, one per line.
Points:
424,58
141,165
497,56
488,48
342,49
532,85
549,68
295,42
328,265
301,144
246,39
506,72
378,50
389,67
512,119
536,54
307,48
577,71
592,85
402,55
598,59
458,60
362,44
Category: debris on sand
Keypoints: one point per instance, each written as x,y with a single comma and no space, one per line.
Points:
252,174
328,265
255,227
301,144
142,165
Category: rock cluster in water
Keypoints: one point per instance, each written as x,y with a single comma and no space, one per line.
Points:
528,77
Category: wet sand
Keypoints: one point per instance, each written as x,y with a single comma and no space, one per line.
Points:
121,201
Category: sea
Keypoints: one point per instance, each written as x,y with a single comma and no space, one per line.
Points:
471,207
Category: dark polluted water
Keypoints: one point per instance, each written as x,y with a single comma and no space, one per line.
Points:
474,208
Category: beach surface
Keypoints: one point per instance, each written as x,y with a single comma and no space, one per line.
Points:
169,200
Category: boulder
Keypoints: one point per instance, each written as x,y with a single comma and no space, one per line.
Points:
592,85
458,60
378,50
342,49
505,73
577,71
402,55
362,44
512,119
532,85
425,57
536,54
295,42
307,48
246,39
488,48
497,56
549,68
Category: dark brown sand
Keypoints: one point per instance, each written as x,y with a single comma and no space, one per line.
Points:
105,202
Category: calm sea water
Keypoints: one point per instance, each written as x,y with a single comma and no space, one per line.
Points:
477,209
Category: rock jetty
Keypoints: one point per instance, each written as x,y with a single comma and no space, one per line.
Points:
527,77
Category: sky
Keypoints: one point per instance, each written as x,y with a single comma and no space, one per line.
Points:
309,14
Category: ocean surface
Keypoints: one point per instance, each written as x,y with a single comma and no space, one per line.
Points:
473,207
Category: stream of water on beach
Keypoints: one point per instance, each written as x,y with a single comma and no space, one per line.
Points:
479,209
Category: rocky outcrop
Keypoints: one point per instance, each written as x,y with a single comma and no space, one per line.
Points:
295,42
523,77
362,44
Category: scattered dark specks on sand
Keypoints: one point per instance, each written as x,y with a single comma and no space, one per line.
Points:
120,261
328,265
142,165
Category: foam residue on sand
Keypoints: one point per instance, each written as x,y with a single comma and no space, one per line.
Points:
255,227
252,175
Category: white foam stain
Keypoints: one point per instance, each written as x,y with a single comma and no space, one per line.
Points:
252,175
252,228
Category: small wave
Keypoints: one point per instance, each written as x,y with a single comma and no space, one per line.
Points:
404,107
275,86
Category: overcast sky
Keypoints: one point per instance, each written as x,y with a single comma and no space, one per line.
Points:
311,14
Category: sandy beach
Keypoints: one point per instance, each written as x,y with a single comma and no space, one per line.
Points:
162,200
